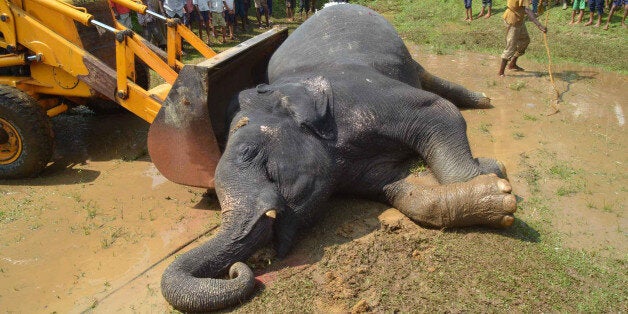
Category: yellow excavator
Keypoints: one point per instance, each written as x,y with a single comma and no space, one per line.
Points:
58,54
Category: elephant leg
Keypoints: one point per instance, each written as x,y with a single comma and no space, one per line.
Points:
457,94
485,200
437,132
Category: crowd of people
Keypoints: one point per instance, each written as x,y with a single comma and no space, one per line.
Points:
579,6
218,19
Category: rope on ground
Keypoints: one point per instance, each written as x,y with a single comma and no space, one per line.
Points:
556,100
173,252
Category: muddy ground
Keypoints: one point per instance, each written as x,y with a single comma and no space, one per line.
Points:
99,226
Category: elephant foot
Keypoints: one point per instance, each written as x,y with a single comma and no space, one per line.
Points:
485,200
482,201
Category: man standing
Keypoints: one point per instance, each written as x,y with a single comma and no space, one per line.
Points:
517,38
152,28
217,8
261,6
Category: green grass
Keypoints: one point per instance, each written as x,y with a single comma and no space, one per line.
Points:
439,25
517,86
518,135
562,171
529,117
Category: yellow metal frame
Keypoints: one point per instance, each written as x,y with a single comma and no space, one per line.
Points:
7,26
46,30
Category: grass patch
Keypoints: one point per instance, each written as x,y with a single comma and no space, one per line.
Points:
529,117
418,166
570,178
518,135
518,85
562,171
91,209
114,235
485,127
441,28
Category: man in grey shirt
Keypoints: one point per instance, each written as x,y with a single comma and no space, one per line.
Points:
174,8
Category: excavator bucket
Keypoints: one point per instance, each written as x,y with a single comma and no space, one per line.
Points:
186,139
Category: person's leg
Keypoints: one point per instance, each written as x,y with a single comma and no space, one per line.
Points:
600,12
259,18
623,19
591,12
230,25
590,19
582,7
610,15
522,42
207,23
267,15
258,13
510,49
307,8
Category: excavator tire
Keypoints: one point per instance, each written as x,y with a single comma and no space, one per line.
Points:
26,137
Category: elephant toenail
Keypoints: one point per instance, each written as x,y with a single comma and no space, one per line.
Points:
504,186
507,221
510,204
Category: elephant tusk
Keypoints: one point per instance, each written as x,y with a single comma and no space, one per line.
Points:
271,213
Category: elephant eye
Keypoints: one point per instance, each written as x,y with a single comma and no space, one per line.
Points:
247,153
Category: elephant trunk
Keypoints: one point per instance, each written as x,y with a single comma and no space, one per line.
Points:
190,283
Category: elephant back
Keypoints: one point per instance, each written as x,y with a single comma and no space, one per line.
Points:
344,34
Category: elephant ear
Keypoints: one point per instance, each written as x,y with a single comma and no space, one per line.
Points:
311,105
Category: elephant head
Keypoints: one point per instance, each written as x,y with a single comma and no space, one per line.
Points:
274,172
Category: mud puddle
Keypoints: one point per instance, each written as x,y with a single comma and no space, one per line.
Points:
92,231
578,154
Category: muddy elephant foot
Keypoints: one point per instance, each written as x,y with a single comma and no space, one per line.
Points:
482,201
485,200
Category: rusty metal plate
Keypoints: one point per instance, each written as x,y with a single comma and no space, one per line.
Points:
186,138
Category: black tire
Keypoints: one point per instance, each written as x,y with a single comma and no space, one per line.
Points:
26,137
101,105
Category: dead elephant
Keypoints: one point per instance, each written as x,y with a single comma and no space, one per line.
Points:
346,110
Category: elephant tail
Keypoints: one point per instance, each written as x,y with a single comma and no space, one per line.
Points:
457,94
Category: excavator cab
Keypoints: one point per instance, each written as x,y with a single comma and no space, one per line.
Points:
58,54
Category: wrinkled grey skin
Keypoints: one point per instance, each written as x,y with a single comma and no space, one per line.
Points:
347,110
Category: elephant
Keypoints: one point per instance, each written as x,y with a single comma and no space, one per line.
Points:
346,110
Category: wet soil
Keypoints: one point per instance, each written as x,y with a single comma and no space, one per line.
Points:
97,229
